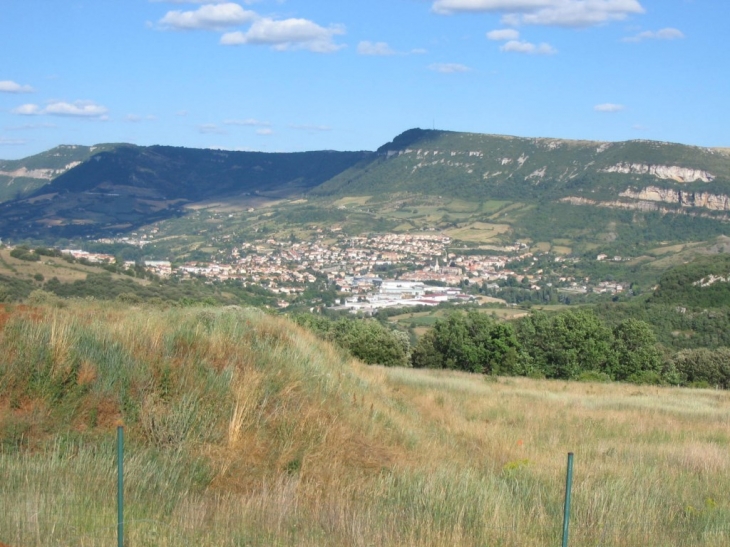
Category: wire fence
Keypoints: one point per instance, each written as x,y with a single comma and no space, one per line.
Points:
33,514
55,530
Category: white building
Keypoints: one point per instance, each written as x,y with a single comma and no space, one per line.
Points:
402,289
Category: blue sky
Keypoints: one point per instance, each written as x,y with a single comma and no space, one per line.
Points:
292,75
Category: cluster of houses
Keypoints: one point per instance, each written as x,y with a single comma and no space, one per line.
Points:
360,266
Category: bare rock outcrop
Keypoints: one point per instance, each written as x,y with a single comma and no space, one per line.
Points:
665,172
704,200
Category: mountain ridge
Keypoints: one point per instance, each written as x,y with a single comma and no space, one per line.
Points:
118,187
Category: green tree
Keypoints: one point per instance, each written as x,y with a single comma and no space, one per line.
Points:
636,351
566,344
704,367
473,342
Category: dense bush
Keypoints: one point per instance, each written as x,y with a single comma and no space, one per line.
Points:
366,339
472,342
574,345
704,367
24,253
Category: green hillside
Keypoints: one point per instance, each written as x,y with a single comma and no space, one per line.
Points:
574,196
21,177
129,186
702,283
478,166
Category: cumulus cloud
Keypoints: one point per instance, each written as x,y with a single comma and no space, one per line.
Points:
448,68
609,107
83,109
80,109
250,122
8,86
208,17
517,46
567,13
662,34
503,34
27,110
287,34
374,48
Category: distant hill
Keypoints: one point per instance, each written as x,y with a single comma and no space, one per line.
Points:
128,186
94,191
702,283
19,178
477,166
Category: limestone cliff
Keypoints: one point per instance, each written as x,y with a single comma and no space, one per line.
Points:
665,172
704,200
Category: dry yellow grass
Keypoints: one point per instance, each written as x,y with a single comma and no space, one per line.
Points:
253,432
50,267
478,232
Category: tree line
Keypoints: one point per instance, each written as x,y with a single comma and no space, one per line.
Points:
572,345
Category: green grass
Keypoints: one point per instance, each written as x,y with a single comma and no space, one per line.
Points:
243,429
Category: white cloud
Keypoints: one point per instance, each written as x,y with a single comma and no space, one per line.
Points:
374,48
311,127
12,142
79,109
663,34
567,13
419,51
503,34
448,68
609,107
136,118
199,1
208,17
8,86
211,129
517,46
82,109
287,34
27,110
30,126
265,131
250,122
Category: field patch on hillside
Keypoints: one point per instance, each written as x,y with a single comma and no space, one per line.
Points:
478,232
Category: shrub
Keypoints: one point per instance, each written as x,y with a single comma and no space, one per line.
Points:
594,376
704,367
472,342
22,253
646,377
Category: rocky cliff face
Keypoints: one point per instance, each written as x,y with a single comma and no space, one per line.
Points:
704,200
665,172
43,174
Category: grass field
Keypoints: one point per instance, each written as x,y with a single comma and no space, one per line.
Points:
50,267
478,232
245,430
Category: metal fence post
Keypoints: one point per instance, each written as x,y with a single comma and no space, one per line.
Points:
120,486
566,509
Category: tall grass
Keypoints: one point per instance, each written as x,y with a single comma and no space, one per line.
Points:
245,430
